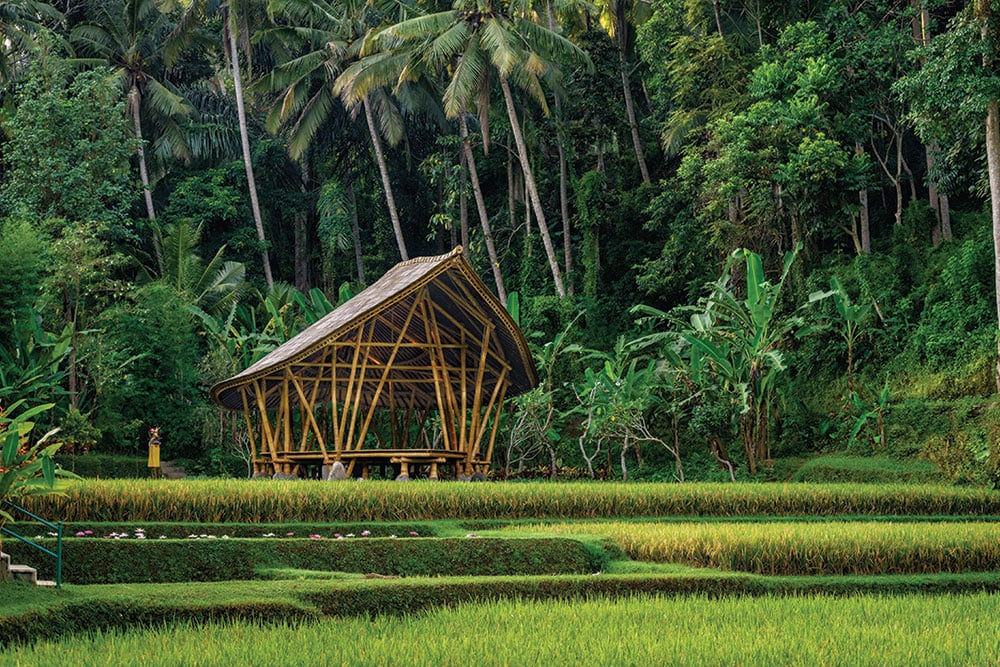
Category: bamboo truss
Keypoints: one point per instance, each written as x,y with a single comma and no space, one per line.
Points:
412,372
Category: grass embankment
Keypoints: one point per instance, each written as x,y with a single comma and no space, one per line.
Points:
28,614
907,630
240,501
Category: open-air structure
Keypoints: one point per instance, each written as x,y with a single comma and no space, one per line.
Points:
411,372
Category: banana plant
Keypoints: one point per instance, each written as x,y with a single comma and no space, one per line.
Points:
733,345
26,468
852,319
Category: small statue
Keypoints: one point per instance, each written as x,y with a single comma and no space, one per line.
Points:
153,463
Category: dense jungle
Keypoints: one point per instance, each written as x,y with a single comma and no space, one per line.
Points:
745,240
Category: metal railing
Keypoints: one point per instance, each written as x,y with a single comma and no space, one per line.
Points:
57,527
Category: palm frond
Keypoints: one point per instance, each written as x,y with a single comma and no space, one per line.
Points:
166,102
315,113
503,47
390,120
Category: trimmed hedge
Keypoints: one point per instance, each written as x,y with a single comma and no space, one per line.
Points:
101,561
104,466
131,607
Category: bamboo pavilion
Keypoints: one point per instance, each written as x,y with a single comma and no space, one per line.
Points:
411,373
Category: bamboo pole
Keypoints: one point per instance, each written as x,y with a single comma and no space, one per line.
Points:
388,367
496,423
438,380
498,391
308,415
360,382
464,407
246,415
265,423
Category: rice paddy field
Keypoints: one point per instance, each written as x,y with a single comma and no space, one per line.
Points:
693,574
865,630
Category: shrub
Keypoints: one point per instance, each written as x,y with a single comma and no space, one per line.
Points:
101,561
866,470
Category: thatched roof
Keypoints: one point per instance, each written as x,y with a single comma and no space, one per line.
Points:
462,311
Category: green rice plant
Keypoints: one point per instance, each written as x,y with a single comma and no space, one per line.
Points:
807,548
255,501
697,630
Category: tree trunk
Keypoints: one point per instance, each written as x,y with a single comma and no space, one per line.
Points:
356,232
463,205
233,56
630,110
390,201
866,236
134,102
984,13
301,232
484,219
993,165
563,175
532,190
718,18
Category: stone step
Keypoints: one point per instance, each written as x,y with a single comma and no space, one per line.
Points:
23,573
170,471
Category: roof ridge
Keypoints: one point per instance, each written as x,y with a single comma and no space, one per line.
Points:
431,259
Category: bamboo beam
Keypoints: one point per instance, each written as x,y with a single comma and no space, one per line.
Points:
308,415
246,415
498,390
496,423
388,367
438,380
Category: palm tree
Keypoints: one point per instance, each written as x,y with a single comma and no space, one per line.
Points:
213,287
327,37
21,21
235,33
615,17
469,42
122,34
400,67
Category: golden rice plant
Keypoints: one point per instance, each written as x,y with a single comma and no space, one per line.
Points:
246,501
806,548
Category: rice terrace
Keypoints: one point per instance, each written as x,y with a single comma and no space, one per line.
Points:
483,332
235,572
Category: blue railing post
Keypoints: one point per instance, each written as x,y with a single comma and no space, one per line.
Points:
59,555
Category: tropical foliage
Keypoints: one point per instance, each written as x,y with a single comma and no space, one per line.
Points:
186,185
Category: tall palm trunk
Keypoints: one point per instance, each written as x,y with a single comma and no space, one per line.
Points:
563,175
629,103
134,102
993,166
529,183
383,169
356,232
301,231
233,56
484,219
